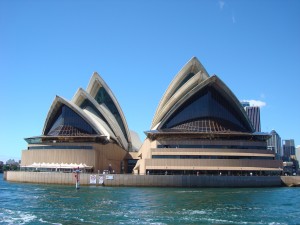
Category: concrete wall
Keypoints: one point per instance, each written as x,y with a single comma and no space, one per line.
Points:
58,156
291,181
150,148
100,157
146,180
213,164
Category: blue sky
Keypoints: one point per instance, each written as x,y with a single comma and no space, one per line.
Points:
50,48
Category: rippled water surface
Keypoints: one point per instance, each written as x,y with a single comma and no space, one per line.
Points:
51,204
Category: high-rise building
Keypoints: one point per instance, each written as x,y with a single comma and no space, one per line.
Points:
274,144
298,152
253,113
288,149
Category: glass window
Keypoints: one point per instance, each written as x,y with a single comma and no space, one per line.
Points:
102,97
131,164
69,123
34,140
86,104
207,111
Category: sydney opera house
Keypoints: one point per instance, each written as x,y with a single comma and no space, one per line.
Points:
199,128
89,132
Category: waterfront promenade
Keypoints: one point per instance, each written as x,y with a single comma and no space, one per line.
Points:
151,180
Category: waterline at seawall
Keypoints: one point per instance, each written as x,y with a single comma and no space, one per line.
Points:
150,180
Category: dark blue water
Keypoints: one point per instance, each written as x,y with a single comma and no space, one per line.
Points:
51,204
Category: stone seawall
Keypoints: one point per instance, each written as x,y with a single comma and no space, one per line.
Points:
144,180
291,181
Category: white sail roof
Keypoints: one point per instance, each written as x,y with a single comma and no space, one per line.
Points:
97,107
187,78
191,80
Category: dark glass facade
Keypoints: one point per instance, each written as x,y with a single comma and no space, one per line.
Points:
102,97
87,104
210,106
131,164
288,149
68,123
253,113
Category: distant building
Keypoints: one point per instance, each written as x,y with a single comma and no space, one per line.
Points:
298,152
253,113
288,149
274,144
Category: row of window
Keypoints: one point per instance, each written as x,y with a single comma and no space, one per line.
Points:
213,146
209,157
214,172
59,147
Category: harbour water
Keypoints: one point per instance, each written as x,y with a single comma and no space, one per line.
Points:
53,204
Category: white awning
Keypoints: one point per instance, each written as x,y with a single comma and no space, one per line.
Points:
58,165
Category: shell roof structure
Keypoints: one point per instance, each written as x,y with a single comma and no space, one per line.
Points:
95,111
197,102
